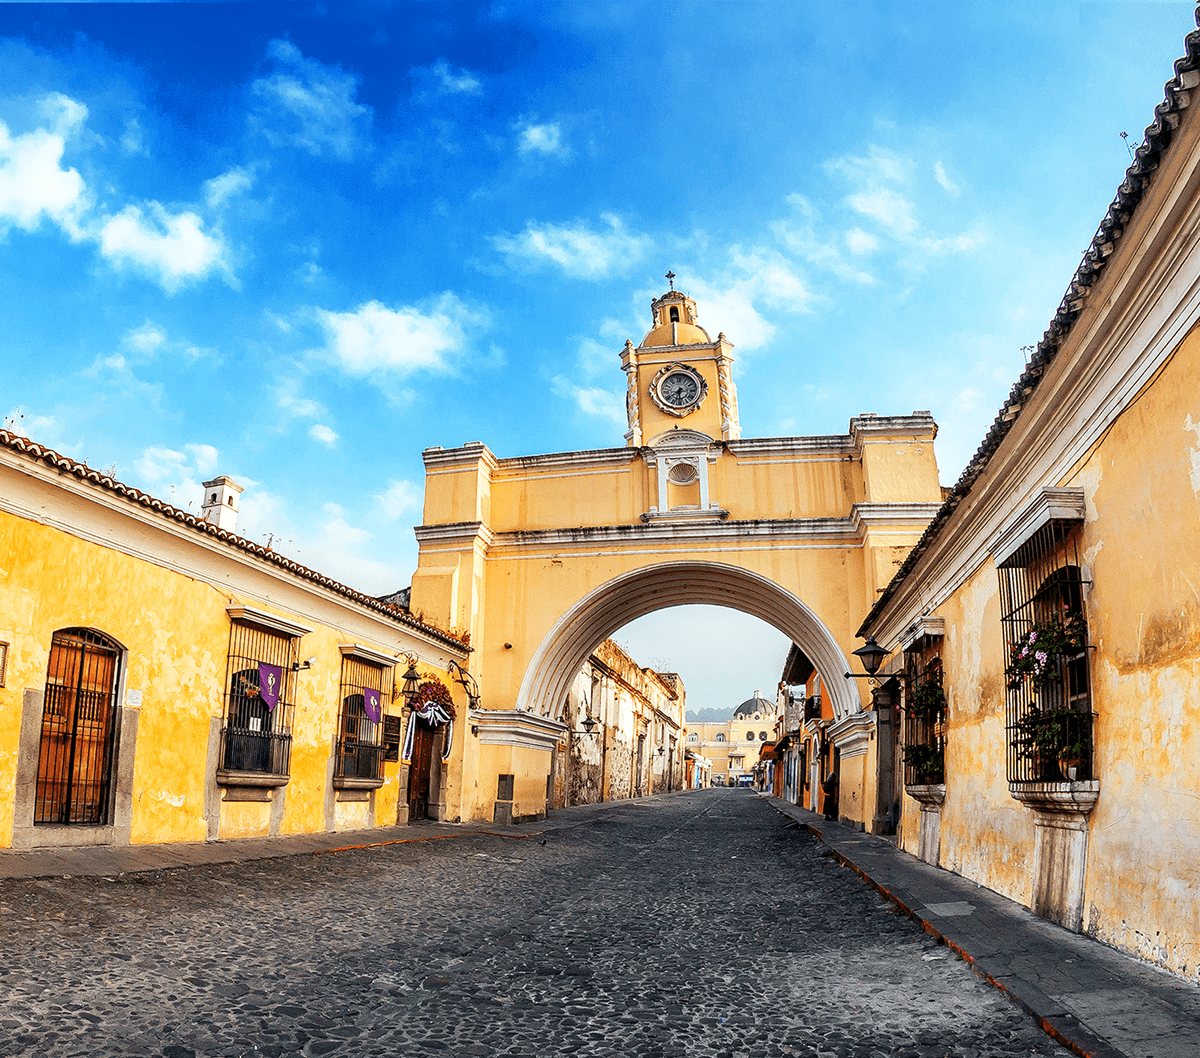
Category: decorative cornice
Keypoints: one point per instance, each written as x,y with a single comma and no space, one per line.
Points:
852,734
593,459
931,794
869,427
867,517
254,616
81,480
376,657
472,454
1048,505
922,628
456,534
840,446
511,727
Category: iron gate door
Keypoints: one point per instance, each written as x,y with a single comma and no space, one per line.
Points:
75,757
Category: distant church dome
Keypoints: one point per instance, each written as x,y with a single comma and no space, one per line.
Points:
758,705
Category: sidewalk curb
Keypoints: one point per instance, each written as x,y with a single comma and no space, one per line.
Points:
1060,1026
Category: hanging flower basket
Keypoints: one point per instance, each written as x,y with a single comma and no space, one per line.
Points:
1036,654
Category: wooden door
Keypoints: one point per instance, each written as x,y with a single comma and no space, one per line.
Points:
418,771
75,756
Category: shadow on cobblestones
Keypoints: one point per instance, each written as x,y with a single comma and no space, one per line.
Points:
691,925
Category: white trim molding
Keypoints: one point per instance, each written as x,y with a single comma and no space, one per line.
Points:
1047,505
512,727
922,628
852,734
376,657
254,616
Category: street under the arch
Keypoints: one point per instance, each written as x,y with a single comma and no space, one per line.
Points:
692,924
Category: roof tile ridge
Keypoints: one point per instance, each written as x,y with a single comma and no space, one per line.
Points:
65,464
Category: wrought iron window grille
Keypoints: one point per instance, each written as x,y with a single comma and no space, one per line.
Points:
924,719
360,751
1048,705
256,737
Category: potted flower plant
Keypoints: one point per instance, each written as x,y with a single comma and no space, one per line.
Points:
1035,654
926,762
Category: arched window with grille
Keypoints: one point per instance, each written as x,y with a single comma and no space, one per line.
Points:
1048,711
75,757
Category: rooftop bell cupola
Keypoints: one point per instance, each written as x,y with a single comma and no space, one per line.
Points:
679,377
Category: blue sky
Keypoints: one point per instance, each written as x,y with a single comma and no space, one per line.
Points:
297,244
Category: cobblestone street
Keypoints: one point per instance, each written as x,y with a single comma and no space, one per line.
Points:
697,924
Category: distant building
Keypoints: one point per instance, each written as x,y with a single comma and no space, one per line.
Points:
733,745
624,732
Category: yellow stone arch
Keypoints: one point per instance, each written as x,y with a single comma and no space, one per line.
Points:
539,558
656,587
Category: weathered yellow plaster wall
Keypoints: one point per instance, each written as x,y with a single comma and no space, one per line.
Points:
986,835
1142,486
175,631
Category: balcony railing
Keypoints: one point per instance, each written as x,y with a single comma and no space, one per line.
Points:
264,752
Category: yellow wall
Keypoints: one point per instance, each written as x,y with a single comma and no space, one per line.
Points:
1142,488
175,631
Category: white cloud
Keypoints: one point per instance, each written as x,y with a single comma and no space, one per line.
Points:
33,183
309,105
732,304
323,434
455,80
298,407
147,339
541,139
375,338
592,400
400,497
799,235
577,249
220,189
886,206
939,174
878,165
860,242
157,463
204,457
131,139
171,248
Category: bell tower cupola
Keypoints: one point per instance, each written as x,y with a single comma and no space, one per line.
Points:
679,377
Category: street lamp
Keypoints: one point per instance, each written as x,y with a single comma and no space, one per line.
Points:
871,654
412,679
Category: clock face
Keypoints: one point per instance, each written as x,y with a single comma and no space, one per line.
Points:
679,389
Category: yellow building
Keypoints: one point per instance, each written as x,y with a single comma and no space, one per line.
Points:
732,745
1046,630
541,558
165,680
624,732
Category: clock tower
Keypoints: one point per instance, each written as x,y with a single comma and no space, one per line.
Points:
678,378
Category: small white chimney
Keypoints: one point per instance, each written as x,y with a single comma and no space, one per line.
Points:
219,506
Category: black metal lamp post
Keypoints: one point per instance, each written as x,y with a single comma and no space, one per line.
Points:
412,679
871,654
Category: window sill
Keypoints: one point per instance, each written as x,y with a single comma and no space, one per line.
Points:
1068,798
349,782
250,778
927,793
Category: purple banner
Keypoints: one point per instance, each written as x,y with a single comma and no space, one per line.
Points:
270,679
371,704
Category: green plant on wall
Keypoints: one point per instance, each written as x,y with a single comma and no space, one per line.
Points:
926,762
927,701
1049,736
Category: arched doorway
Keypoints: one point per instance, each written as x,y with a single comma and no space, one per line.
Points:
600,613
